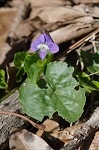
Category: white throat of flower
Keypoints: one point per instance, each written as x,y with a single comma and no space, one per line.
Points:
43,47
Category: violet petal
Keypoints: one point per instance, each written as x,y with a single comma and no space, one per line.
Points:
42,54
47,38
39,40
33,46
53,48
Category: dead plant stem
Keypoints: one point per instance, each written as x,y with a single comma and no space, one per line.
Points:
25,118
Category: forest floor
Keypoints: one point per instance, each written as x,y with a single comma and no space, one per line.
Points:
74,26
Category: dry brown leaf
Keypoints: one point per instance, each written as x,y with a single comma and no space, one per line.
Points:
35,11
71,31
90,11
67,134
93,11
25,140
14,3
6,18
86,20
2,40
67,24
9,45
95,143
27,27
50,15
85,1
51,126
41,3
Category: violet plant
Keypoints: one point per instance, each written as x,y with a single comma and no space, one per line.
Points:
50,86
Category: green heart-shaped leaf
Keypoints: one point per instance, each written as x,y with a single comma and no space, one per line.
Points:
58,95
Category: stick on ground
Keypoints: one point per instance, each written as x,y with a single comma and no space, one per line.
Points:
87,129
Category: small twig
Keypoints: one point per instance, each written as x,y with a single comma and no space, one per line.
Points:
84,39
41,127
77,44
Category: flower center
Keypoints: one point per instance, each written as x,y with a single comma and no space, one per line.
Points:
42,46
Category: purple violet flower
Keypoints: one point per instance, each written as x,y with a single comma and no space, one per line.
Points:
44,44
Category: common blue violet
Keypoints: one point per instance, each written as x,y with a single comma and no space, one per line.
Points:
44,44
